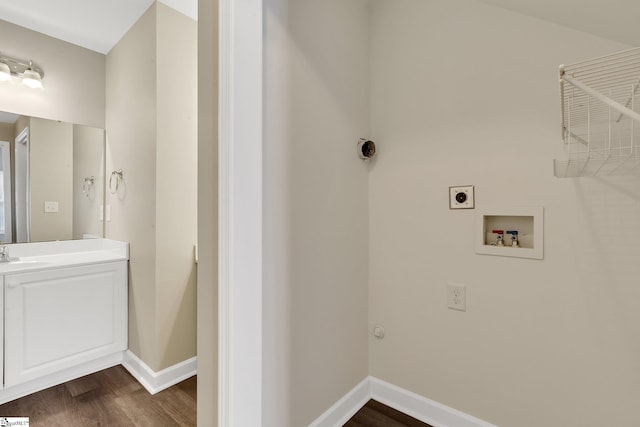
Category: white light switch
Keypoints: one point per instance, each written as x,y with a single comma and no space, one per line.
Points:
51,207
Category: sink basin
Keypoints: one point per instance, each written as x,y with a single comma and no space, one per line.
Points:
20,263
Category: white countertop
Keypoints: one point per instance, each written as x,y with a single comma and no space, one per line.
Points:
46,255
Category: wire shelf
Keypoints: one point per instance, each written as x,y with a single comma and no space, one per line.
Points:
600,120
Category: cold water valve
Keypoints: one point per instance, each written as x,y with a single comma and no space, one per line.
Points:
514,238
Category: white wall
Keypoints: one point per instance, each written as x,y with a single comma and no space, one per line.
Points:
315,206
74,78
464,93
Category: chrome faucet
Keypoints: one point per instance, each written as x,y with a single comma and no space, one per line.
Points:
4,254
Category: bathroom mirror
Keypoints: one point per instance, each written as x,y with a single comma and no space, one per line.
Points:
51,180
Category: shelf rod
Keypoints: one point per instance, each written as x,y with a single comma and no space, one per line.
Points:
634,89
578,138
605,58
609,67
613,104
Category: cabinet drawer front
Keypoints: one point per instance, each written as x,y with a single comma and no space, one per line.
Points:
59,318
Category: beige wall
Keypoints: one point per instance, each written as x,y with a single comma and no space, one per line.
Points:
176,184
120,91
88,161
131,146
50,168
74,78
151,136
464,93
69,95
315,206
207,305
6,132
51,179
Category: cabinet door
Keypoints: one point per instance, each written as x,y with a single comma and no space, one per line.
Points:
56,319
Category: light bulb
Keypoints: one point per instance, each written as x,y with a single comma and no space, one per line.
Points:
32,79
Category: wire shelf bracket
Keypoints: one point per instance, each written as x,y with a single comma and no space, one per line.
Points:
600,116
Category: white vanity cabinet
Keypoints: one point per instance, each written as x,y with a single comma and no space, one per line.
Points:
58,318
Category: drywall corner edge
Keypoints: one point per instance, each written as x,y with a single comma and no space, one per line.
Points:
346,407
155,382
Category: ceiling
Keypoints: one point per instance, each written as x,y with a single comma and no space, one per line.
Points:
95,24
612,19
99,24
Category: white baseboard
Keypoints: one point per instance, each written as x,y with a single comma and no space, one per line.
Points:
19,390
158,381
419,407
150,380
346,407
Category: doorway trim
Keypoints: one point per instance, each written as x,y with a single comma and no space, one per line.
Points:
240,214
5,146
23,222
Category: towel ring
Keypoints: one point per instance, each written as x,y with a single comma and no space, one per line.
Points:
88,183
118,175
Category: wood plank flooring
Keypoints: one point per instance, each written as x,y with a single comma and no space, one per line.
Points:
109,398
375,414
113,398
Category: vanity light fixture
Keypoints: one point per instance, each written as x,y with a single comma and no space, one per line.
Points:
30,74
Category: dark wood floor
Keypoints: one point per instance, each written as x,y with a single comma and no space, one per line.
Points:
111,398
375,414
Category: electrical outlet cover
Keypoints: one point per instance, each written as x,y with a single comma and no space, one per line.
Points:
461,197
457,297
51,207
